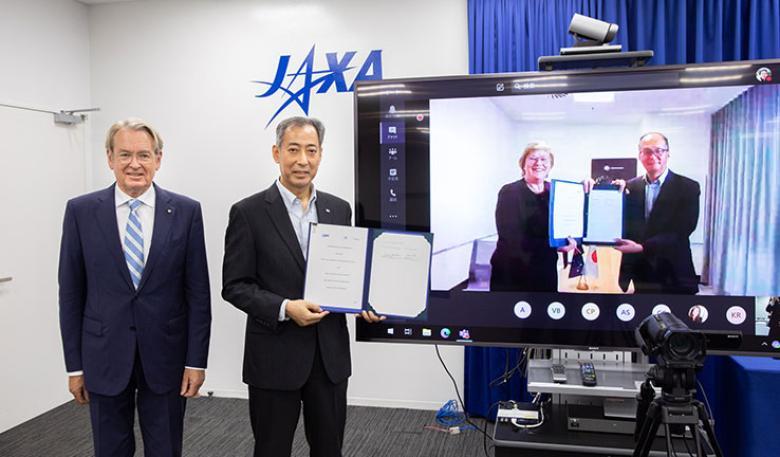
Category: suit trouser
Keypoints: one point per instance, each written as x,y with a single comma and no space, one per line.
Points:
274,415
161,417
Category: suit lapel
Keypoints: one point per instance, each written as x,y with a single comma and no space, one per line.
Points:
277,212
163,218
324,212
105,214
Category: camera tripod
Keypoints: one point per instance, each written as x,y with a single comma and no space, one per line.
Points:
676,413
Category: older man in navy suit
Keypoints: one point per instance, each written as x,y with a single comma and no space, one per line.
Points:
135,309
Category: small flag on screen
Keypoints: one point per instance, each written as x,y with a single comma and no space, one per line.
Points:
577,265
591,263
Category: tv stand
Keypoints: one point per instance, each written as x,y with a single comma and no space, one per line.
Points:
582,421
610,406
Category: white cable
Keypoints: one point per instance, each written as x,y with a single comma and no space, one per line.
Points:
513,421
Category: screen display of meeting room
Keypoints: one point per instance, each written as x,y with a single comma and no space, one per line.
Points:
704,243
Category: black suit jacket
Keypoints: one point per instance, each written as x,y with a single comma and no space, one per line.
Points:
665,265
523,259
264,265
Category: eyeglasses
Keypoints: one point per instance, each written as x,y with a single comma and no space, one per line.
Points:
127,157
538,159
653,151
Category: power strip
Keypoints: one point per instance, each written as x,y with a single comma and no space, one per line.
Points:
523,413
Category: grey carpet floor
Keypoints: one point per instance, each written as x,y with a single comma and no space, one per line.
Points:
219,427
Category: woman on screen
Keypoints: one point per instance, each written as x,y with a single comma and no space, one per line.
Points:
523,259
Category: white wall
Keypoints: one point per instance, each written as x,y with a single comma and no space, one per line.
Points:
186,67
473,154
44,47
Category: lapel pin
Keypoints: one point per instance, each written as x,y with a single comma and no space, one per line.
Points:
170,211
327,210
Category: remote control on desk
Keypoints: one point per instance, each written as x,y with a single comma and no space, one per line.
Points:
558,373
588,373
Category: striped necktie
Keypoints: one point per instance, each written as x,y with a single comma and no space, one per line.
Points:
134,243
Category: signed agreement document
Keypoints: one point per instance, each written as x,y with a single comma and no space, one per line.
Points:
605,216
593,218
567,212
349,269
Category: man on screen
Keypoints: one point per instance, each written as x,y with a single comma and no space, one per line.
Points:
295,352
660,213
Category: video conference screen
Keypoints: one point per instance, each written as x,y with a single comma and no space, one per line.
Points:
568,206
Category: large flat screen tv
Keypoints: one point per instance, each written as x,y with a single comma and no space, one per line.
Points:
472,159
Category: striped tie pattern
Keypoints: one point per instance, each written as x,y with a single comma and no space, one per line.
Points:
134,244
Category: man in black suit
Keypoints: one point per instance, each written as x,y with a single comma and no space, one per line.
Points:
294,351
660,213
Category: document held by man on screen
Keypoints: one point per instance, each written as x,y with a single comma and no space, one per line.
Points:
595,217
604,216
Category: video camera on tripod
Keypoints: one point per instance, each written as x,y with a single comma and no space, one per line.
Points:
679,353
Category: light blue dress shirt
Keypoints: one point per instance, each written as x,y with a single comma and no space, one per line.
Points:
300,220
652,189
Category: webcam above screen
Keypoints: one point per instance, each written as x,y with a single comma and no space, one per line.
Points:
692,150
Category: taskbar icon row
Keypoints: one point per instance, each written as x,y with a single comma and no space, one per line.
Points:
445,333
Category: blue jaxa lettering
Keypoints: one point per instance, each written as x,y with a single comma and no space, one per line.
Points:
320,80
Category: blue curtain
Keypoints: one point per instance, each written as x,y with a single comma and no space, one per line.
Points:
509,35
744,178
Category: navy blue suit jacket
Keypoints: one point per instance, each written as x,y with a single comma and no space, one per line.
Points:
103,318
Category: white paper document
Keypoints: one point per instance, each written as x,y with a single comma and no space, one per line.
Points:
339,258
336,266
605,216
400,267
568,209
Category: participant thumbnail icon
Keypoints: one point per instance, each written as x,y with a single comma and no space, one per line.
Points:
556,310
698,314
590,311
625,312
736,315
523,309
661,308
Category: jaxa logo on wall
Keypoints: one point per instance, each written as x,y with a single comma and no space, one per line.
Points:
297,85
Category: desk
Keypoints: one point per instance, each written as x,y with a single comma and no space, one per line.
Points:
553,439
745,396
